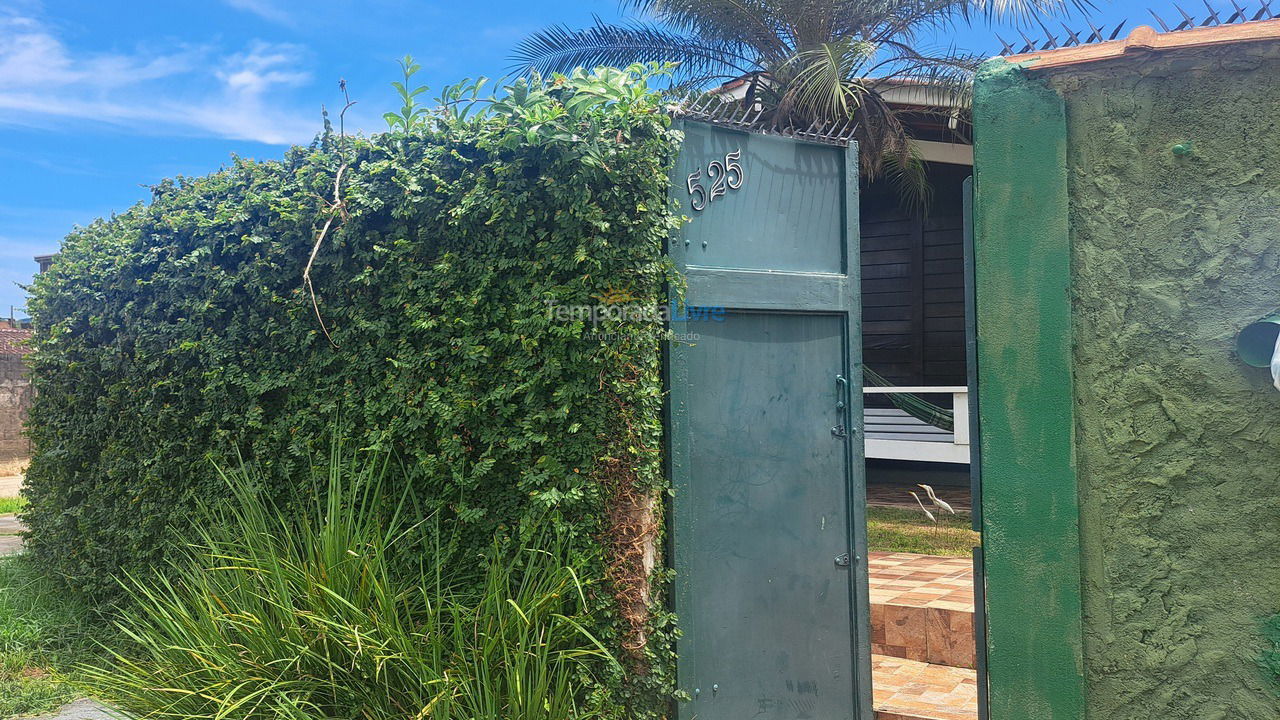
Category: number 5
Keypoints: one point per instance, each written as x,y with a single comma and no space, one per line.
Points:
733,170
696,191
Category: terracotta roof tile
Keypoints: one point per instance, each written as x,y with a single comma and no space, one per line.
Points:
13,341
1144,39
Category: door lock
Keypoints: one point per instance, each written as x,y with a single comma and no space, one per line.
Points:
842,560
839,431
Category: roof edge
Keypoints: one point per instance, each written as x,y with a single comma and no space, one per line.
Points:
1144,39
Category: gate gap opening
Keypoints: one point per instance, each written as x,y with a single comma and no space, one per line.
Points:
920,499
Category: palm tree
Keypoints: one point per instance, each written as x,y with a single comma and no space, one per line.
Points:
804,61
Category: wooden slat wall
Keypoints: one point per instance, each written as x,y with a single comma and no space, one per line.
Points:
913,283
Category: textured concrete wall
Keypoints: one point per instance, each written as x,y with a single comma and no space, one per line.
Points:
1177,442
15,396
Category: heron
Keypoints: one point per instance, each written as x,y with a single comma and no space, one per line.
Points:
935,499
923,509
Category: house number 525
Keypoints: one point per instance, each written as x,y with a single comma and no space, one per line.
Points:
722,175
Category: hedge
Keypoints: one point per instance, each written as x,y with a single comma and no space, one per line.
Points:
181,332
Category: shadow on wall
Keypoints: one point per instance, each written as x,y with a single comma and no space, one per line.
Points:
952,475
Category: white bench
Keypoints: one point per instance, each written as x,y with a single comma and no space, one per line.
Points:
892,434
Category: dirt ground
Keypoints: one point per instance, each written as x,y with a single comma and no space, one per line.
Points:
13,467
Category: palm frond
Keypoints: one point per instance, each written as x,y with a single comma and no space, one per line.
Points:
562,49
749,23
807,63
905,20
910,180
881,134
1022,10
823,79
945,77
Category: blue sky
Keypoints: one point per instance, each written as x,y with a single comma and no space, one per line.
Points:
101,98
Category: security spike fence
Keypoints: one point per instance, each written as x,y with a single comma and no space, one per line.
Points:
716,109
1051,41
1208,17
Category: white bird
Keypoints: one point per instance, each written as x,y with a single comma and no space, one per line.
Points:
936,500
923,509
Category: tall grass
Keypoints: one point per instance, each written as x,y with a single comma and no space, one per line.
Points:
44,634
348,608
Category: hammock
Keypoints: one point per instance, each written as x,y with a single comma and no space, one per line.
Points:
913,405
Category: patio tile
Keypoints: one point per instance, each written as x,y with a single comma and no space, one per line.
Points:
922,608
909,690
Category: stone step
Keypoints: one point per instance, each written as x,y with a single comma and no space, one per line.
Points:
909,690
922,608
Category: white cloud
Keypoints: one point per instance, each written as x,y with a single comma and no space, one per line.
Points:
187,90
31,57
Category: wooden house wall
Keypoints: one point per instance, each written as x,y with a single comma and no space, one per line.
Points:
913,282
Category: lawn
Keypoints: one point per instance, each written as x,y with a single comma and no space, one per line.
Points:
44,633
10,505
891,529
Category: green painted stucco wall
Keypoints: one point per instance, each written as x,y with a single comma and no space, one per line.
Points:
1176,444
1029,500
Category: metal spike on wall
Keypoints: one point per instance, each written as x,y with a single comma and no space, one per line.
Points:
1184,20
1071,38
717,110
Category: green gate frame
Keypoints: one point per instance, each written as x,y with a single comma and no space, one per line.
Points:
810,292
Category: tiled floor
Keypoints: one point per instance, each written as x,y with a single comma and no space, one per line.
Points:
921,580
922,608
910,690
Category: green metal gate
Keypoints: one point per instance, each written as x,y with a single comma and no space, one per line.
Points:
764,373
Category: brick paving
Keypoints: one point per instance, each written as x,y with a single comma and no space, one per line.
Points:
909,690
922,608
81,710
922,637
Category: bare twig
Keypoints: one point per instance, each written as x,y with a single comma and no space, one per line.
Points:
342,85
338,207
334,209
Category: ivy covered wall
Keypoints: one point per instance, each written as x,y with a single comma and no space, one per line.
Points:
181,332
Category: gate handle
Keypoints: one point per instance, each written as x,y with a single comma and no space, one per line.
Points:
844,390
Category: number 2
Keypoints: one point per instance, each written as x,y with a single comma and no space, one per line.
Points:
715,171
